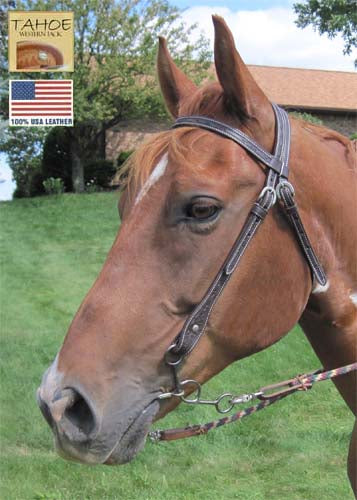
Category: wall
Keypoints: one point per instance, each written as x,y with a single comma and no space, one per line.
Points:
345,123
127,136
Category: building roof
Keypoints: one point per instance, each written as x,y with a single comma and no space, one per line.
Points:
308,88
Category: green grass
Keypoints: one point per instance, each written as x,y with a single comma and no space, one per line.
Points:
51,251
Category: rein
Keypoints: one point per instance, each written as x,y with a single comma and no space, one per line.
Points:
276,188
267,398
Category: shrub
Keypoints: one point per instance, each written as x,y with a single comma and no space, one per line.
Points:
56,159
123,156
19,193
99,173
36,184
307,117
122,171
92,187
53,185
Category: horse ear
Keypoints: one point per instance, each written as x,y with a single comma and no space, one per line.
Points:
242,96
175,85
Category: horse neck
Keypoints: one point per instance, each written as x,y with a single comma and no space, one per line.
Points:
324,175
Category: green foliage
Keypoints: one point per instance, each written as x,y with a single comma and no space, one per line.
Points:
123,156
23,147
330,17
121,159
307,117
56,158
115,69
353,136
115,55
36,184
98,173
56,161
53,185
52,249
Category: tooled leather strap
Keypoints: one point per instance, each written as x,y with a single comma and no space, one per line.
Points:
278,171
197,321
275,162
285,192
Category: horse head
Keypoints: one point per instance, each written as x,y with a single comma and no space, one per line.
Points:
187,196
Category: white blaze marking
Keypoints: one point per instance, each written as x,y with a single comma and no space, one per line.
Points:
353,298
321,288
155,175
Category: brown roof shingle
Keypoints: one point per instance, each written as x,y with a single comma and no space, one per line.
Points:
308,88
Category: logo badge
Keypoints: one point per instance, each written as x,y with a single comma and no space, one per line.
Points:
40,41
41,103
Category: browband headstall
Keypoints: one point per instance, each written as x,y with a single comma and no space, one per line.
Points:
276,187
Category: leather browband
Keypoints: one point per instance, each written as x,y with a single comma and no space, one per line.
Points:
276,186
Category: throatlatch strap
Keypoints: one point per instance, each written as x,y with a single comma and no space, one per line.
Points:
286,194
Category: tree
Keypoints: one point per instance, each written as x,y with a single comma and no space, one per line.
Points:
330,17
23,147
115,53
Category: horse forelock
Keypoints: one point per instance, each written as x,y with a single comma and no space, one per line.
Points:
208,100
184,147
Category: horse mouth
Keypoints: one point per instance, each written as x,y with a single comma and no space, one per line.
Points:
111,446
132,441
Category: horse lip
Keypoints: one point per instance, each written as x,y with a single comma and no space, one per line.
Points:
152,409
86,456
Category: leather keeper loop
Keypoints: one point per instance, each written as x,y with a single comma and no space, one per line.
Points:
259,211
291,208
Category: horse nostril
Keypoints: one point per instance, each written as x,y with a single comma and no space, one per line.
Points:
44,409
70,414
79,413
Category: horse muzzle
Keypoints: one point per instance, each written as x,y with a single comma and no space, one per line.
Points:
88,434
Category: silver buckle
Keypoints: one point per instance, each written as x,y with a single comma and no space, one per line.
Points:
268,189
281,185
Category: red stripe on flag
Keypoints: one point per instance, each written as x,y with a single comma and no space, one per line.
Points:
66,85
42,92
42,82
41,114
50,103
45,109
46,87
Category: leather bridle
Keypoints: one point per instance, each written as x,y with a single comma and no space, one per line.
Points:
276,187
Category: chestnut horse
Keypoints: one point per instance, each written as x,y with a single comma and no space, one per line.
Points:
187,197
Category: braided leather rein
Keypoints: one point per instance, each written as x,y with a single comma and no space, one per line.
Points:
276,187
288,387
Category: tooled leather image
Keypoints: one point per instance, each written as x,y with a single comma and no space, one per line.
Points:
36,55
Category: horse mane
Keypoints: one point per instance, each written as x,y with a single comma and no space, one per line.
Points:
335,141
140,164
205,101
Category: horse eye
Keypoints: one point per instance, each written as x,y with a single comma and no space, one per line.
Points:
201,211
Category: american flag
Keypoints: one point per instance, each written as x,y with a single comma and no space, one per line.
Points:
41,98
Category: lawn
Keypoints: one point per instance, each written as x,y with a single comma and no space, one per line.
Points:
51,251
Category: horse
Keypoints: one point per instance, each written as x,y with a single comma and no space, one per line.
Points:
188,194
